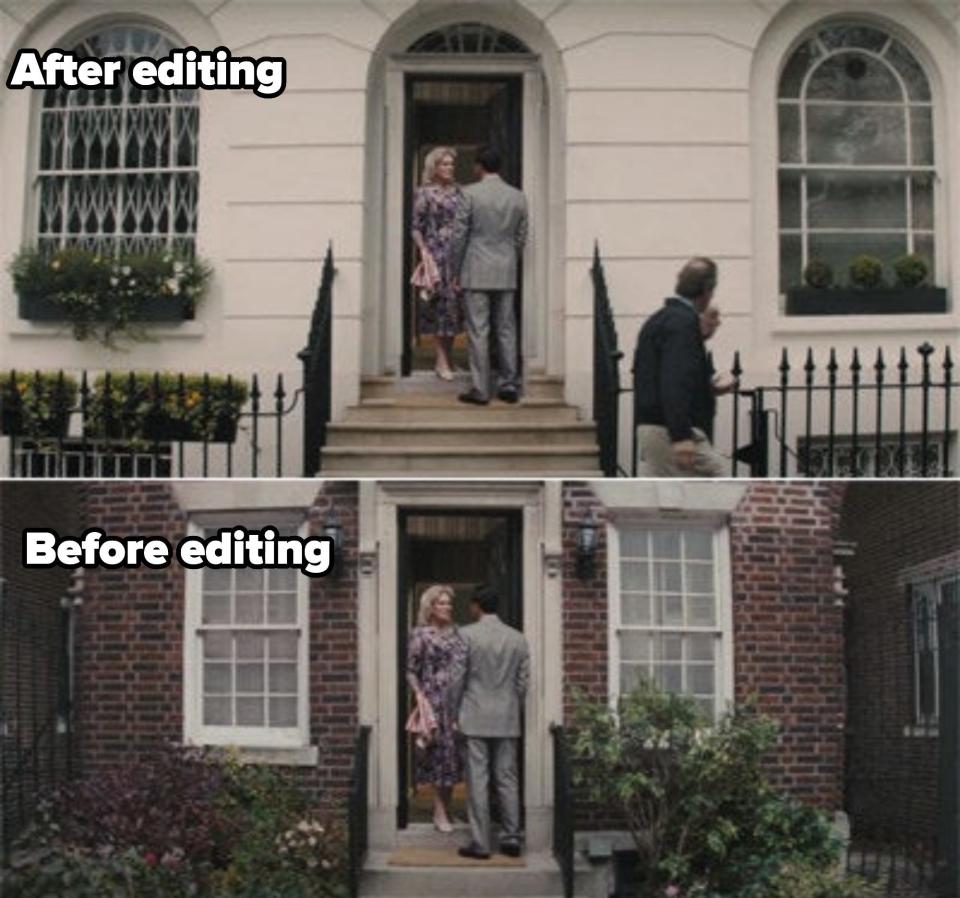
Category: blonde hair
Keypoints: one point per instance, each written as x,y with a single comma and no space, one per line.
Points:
429,599
433,159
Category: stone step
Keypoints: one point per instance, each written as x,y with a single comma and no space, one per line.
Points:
536,386
460,433
459,461
446,410
539,876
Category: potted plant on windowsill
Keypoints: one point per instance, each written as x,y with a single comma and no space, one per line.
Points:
104,297
36,405
147,407
867,292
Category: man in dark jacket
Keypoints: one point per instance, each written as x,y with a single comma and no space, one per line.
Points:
673,392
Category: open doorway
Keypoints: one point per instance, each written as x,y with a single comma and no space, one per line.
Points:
464,549
462,112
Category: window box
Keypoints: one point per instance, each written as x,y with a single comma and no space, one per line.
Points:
159,408
874,301
153,308
36,405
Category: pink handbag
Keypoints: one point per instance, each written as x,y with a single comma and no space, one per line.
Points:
426,277
422,723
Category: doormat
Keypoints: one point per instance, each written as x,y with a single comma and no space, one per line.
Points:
447,857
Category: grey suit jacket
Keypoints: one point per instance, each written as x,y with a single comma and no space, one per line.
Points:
488,687
489,233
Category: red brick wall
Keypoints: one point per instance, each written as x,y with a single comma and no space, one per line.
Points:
130,642
788,630
892,777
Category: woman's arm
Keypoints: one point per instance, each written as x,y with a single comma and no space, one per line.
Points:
420,220
415,651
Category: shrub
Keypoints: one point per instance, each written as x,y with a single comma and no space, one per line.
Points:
99,295
911,270
142,406
866,272
184,824
37,404
693,795
818,274
165,807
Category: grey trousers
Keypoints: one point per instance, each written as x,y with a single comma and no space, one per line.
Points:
504,754
479,306
656,455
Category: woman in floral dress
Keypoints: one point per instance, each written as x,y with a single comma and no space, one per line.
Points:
434,209
434,650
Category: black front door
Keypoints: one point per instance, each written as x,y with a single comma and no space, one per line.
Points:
464,549
463,113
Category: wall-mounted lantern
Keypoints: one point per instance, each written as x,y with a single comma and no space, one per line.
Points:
333,529
587,549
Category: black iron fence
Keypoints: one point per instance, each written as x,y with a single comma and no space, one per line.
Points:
896,867
157,424
358,836
859,417
36,718
564,822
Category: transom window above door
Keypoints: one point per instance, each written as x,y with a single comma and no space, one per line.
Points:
857,172
117,168
468,38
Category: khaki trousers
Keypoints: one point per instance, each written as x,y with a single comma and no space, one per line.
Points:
656,455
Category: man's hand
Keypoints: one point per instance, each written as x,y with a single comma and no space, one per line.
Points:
684,453
723,383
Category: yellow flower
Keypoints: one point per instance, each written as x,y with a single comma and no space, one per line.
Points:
55,264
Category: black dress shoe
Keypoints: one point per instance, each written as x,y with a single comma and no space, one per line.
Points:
510,849
473,851
473,397
508,394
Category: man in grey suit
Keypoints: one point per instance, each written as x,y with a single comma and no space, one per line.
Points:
489,233
487,692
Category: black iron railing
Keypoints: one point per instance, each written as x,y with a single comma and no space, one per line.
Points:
357,820
563,809
830,419
895,867
606,371
161,424
317,381
36,714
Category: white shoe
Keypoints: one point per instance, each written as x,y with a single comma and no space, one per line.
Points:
442,826
443,375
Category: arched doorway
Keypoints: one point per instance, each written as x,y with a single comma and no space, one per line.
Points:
464,76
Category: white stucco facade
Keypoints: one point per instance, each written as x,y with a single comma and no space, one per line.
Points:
650,127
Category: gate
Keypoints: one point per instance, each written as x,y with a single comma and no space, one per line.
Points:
36,718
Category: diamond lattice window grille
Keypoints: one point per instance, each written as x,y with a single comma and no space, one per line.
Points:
117,168
468,39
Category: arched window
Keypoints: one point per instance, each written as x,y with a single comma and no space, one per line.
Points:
856,163
468,38
117,168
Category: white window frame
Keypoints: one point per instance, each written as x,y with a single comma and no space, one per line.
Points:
724,687
803,168
195,732
919,724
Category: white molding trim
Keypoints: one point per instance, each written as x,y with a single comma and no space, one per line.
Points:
543,175
260,738
540,505
915,25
